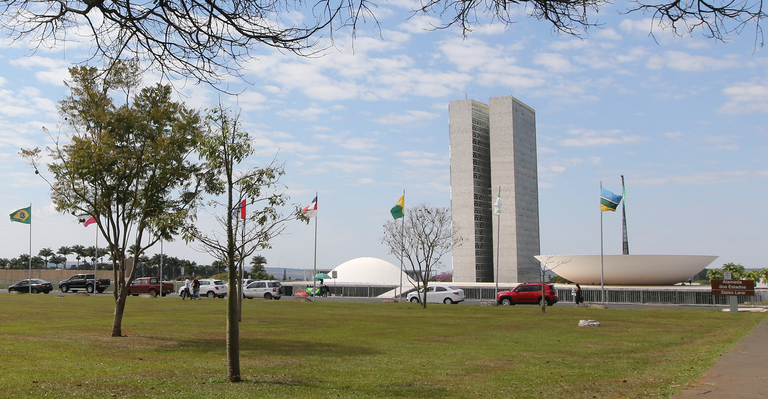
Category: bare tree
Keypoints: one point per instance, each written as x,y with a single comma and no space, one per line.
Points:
546,264
202,40
717,19
207,40
423,236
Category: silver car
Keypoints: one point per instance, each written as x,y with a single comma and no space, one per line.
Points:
438,293
267,289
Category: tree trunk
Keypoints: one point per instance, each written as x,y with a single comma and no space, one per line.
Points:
233,334
117,322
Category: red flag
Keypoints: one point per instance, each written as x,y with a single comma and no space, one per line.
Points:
90,221
242,210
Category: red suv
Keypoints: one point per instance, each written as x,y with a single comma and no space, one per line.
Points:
528,293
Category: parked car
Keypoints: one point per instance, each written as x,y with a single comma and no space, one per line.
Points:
149,285
267,289
528,293
37,286
209,287
84,281
438,293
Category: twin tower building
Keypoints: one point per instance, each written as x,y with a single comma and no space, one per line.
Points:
492,147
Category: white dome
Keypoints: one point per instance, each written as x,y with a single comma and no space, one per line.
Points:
627,269
368,271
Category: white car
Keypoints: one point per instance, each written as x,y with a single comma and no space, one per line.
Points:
267,289
438,293
210,288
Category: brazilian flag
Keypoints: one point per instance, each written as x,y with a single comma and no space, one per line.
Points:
23,215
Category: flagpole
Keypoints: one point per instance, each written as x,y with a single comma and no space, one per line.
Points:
402,243
239,285
314,262
30,248
96,261
602,273
498,241
624,217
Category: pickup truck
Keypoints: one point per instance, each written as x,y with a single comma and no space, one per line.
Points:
83,282
149,285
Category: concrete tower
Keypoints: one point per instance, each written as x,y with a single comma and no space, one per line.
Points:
494,146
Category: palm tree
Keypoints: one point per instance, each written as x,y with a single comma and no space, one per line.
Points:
46,253
64,251
78,250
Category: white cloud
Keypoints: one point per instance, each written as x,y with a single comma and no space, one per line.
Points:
594,138
607,33
360,144
746,97
410,117
420,24
421,158
681,61
573,44
553,62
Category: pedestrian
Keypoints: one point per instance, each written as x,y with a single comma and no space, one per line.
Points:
187,289
578,295
195,288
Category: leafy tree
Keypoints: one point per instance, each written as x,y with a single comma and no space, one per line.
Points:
737,270
421,240
59,260
46,253
64,251
208,40
715,274
78,250
224,146
128,166
258,272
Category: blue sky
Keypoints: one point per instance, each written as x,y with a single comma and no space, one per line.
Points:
683,119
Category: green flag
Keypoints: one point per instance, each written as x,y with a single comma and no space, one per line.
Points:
398,209
23,215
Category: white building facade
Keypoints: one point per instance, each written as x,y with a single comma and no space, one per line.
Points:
494,146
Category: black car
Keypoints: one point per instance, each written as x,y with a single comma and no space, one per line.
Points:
38,286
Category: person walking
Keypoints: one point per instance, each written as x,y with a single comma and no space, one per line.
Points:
195,288
187,289
578,295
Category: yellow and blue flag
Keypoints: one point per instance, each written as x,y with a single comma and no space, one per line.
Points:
608,200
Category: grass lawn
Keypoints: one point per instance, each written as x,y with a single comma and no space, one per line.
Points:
60,346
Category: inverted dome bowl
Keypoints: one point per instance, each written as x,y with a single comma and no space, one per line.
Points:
627,269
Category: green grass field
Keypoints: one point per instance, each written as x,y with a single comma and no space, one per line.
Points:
60,346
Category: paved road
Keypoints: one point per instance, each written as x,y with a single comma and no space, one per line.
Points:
740,373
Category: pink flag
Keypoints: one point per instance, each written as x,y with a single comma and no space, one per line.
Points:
90,221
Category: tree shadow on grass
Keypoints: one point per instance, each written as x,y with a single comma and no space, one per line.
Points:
274,347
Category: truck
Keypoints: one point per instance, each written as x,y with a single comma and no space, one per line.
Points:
84,282
149,285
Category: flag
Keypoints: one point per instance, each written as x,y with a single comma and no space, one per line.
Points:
240,207
608,200
90,221
497,204
23,215
310,210
398,210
